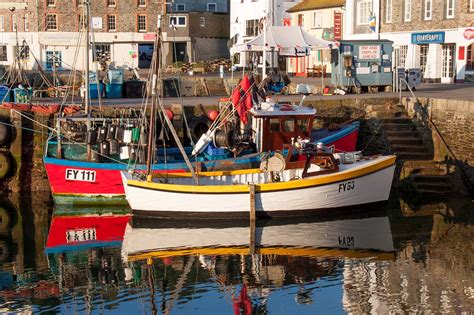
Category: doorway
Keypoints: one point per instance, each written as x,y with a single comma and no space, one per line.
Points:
145,53
448,58
179,52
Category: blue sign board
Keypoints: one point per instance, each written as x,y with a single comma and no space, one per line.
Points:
427,38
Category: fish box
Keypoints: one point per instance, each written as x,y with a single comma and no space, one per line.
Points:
4,94
113,90
212,150
22,95
93,90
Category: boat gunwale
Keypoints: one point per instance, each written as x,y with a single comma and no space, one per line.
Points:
321,180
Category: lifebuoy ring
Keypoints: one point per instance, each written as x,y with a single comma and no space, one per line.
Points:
198,126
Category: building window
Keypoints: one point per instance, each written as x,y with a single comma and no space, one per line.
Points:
53,60
50,3
202,21
407,11
111,3
180,7
211,7
317,20
423,57
403,51
142,3
51,22
102,52
3,53
142,23
300,19
111,25
178,21
251,27
428,9
364,10
449,9
470,58
2,23
388,11
25,26
14,23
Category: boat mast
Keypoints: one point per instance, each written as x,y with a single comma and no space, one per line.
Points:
85,24
159,102
264,67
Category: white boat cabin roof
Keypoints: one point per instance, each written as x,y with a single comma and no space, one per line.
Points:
268,109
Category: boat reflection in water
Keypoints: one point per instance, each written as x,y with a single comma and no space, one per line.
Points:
248,264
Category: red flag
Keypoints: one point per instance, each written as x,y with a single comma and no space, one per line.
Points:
245,84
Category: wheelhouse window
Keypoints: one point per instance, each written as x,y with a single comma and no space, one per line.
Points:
274,124
142,23
302,124
51,22
290,125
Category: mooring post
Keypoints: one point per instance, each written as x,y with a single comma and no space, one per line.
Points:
253,216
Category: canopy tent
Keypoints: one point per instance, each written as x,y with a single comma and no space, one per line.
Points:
290,41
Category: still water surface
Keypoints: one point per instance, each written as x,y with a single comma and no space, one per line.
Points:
401,259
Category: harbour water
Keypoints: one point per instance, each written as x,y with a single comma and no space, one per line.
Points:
405,257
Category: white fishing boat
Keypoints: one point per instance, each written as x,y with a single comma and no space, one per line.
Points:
280,187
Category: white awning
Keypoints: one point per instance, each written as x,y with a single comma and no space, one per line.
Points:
291,41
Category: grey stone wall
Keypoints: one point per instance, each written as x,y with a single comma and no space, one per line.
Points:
462,16
454,119
210,48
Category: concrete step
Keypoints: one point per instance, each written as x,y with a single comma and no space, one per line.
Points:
401,133
428,171
386,114
397,120
405,140
407,156
429,179
398,127
433,188
407,148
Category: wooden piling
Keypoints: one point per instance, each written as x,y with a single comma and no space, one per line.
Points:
253,220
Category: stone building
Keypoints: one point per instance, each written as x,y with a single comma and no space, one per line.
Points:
434,35
123,31
322,19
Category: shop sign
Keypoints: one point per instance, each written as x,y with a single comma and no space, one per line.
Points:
149,36
337,25
427,38
369,52
469,34
97,23
294,51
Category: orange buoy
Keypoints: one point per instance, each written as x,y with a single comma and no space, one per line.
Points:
212,114
169,114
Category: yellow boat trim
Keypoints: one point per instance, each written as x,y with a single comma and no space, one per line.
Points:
267,187
281,251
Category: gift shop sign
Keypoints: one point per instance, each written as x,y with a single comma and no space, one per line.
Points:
469,34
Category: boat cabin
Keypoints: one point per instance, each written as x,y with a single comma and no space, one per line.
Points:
274,125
